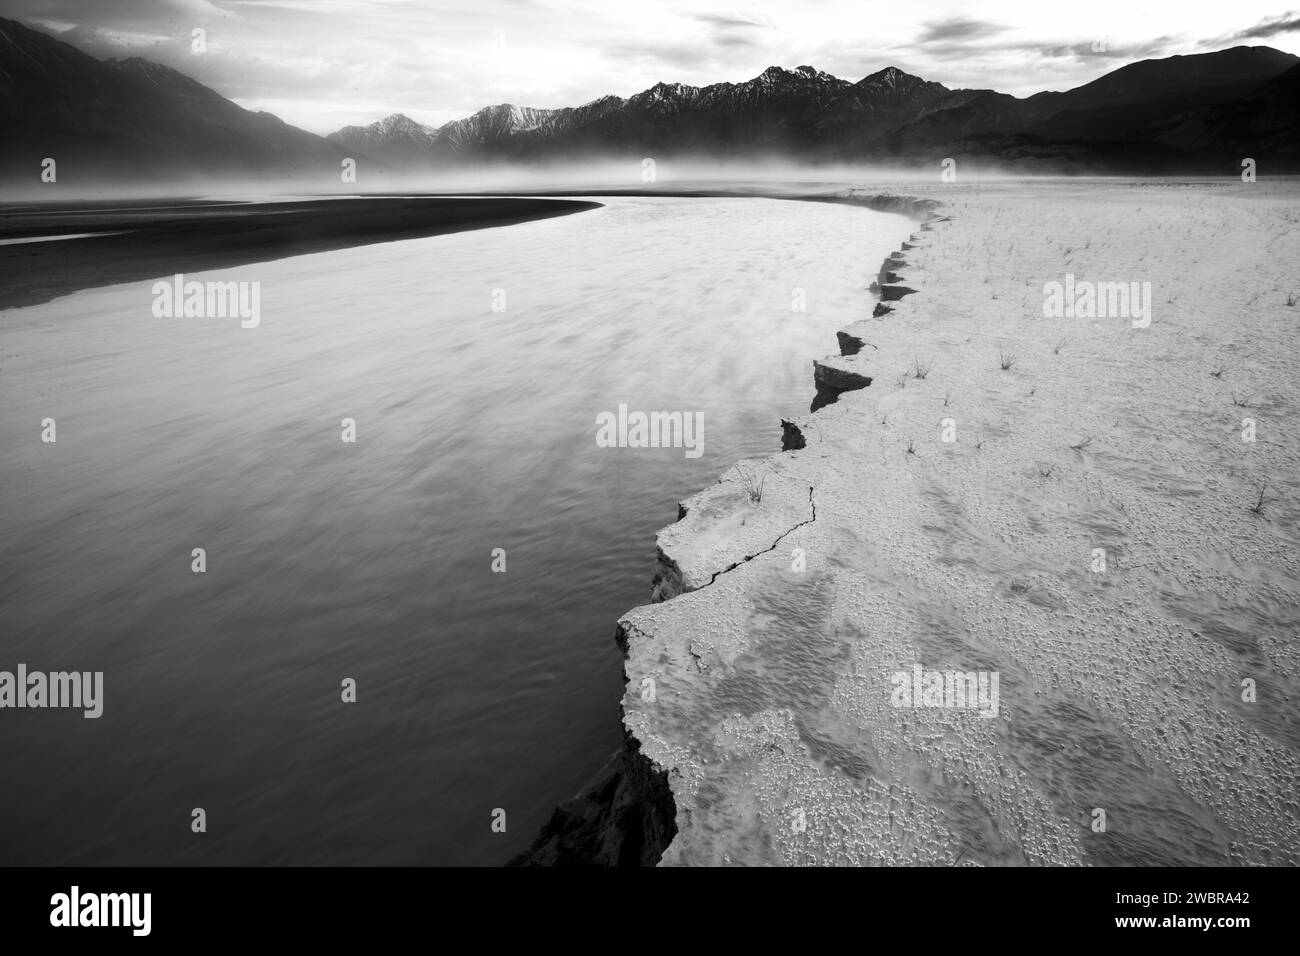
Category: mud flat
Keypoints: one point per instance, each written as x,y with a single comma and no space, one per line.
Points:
104,243
1069,503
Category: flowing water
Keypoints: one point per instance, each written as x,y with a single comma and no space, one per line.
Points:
476,691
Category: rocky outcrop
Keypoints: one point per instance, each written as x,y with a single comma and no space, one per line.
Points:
849,344
625,817
792,438
833,376
836,375
892,293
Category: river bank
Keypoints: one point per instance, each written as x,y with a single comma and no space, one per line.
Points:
1098,510
626,815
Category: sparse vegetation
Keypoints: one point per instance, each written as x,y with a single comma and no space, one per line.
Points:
1045,469
1056,349
1240,400
911,446
1218,371
919,370
1006,359
1290,299
1260,500
947,399
753,483
1082,443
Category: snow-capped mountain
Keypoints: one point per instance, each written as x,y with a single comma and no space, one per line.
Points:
770,109
396,139
1123,117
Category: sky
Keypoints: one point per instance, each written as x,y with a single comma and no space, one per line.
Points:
324,64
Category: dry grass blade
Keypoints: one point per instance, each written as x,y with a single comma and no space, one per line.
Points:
753,484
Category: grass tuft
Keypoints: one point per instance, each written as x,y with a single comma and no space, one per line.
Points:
753,484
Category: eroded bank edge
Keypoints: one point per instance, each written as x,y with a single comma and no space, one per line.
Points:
627,816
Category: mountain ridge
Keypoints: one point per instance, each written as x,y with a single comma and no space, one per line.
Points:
892,115
134,118
119,118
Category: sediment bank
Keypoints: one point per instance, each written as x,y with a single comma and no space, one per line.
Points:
1068,504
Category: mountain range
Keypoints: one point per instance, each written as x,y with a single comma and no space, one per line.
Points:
1182,113
131,119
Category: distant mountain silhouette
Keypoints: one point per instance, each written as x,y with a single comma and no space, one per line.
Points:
1261,123
133,120
136,121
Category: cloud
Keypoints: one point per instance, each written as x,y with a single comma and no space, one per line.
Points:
957,28
1286,23
735,31
734,21
137,14
737,41
687,55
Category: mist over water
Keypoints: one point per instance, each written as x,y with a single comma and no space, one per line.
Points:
475,430
775,175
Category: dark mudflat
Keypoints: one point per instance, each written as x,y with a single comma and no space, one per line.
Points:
161,239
